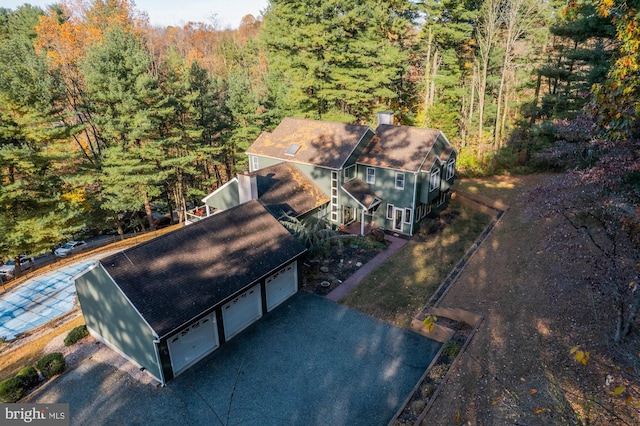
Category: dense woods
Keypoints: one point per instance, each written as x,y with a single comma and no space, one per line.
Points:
104,118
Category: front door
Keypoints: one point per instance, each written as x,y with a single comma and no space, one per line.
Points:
348,215
397,219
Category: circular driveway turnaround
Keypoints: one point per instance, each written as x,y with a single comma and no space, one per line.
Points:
39,300
309,362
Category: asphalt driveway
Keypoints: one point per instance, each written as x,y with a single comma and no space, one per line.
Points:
310,362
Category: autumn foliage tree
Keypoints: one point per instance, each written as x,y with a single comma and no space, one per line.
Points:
616,101
37,208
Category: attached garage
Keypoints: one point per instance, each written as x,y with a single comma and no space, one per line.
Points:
193,343
242,311
281,286
167,303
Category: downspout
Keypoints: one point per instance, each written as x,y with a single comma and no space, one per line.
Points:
156,342
362,222
413,207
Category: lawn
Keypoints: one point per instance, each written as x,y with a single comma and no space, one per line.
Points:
401,286
12,360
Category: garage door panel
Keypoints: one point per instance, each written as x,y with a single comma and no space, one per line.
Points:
193,343
281,285
242,311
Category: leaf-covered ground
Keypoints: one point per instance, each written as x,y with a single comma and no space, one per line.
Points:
529,280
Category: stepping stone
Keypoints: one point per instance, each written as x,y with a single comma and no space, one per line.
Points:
438,333
455,314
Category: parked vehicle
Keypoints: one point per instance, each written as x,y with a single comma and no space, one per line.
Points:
69,248
8,270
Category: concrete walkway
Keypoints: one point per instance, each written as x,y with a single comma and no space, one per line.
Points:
350,283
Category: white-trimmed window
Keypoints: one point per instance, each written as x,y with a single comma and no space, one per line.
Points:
451,168
371,175
399,180
334,196
322,211
422,210
442,198
390,211
407,215
254,163
434,182
349,173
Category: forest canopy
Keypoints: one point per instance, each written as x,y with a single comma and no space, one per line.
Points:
103,116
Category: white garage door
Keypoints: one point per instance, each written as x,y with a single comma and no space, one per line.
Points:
193,343
242,311
281,285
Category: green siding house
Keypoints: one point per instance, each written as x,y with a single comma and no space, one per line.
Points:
168,303
390,178
412,169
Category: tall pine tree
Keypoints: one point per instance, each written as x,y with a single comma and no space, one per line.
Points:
341,59
125,100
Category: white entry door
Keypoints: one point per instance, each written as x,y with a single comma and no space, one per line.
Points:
242,311
281,285
397,219
193,343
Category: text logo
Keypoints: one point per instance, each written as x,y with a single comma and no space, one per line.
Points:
35,414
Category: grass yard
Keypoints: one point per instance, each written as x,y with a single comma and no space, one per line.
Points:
12,360
401,286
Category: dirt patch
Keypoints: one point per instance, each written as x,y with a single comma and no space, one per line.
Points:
519,369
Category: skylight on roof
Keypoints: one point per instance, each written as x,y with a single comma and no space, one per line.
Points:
293,148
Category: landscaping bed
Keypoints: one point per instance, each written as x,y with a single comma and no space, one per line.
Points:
425,392
326,271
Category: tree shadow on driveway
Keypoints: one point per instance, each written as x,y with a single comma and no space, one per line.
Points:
309,362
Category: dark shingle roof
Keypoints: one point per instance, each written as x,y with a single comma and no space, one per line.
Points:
177,276
399,147
283,188
321,143
361,192
442,158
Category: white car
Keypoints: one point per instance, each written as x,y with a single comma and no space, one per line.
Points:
70,248
8,270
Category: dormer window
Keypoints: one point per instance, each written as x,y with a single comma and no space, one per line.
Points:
435,180
349,173
451,168
293,148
